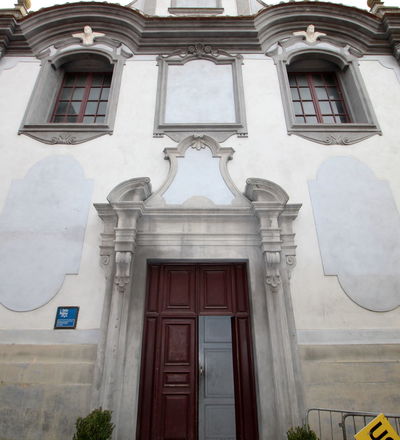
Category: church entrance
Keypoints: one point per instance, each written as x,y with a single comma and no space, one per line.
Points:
197,374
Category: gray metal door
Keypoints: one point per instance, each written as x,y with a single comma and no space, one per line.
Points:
216,389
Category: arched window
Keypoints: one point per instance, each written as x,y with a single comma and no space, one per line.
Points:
317,93
84,91
75,95
324,96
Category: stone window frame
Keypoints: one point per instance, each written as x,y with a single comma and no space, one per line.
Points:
35,123
219,131
195,10
345,59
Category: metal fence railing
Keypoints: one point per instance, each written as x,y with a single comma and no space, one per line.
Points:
337,424
355,421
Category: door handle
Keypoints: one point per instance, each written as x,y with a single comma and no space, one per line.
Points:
201,370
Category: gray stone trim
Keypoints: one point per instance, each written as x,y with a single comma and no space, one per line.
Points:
348,337
45,337
355,27
220,132
195,11
197,142
35,122
360,107
143,33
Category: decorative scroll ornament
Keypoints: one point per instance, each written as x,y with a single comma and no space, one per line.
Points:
105,260
199,50
88,36
310,35
123,265
198,143
290,264
63,139
273,277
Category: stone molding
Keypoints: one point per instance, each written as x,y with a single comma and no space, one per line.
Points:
359,29
197,142
198,10
195,11
220,131
243,34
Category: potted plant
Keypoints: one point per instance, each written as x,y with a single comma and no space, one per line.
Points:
95,426
301,433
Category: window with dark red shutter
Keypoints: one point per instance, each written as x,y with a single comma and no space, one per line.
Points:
317,98
83,97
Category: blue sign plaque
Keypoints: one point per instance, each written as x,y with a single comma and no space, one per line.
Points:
66,317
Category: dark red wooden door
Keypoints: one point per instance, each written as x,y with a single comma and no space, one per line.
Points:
177,294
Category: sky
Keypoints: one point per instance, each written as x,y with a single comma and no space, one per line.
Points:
37,4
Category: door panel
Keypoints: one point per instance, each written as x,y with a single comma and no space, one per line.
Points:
179,290
215,290
178,379
179,296
216,388
245,388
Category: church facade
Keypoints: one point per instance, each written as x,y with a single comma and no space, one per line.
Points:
199,219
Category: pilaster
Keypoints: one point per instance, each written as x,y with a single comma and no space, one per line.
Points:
277,245
121,217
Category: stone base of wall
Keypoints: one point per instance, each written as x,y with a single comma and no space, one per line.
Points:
352,377
43,389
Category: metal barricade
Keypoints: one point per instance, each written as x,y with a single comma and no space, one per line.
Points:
338,424
354,421
326,422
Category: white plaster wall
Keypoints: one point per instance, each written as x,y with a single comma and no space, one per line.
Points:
268,152
290,161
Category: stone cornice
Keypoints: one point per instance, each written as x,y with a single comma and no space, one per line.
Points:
356,27
369,33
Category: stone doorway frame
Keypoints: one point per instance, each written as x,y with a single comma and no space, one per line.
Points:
258,231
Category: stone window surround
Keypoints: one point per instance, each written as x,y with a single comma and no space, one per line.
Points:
219,131
346,61
195,10
35,122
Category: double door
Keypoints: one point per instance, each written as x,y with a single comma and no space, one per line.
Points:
197,379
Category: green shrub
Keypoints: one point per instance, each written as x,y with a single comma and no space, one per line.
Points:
95,426
301,433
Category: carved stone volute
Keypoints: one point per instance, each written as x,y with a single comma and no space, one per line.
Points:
272,263
275,217
123,262
121,215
